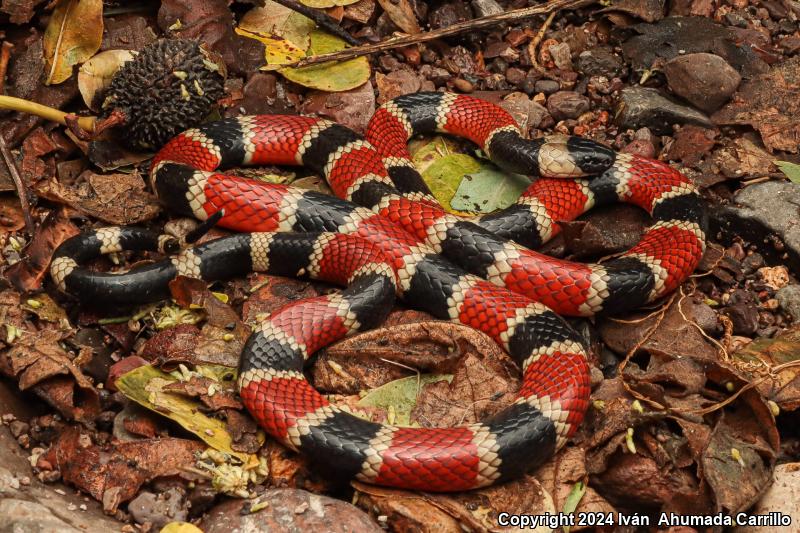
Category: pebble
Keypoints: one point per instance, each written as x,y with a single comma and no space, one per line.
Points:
743,312
567,104
601,62
789,300
547,87
705,80
646,107
463,85
762,212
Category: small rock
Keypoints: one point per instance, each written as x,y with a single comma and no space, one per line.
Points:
763,212
705,80
351,108
789,300
645,107
24,516
396,83
601,62
752,262
705,317
641,148
18,427
774,277
743,312
567,104
782,497
448,14
463,85
547,87
561,56
158,510
515,76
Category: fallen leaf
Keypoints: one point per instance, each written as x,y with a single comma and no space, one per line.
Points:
331,76
73,35
149,387
95,75
113,473
324,4
114,198
27,275
400,396
402,14
792,170
288,36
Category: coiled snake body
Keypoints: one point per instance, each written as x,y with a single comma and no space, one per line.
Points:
385,235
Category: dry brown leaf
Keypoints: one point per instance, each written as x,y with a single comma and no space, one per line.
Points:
402,14
73,35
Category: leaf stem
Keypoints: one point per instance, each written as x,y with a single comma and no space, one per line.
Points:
46,112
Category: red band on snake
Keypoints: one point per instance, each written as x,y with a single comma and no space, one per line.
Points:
385,234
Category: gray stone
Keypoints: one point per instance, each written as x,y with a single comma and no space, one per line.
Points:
601,62
547,86
645,107
705,80
765,214
567,104
789,300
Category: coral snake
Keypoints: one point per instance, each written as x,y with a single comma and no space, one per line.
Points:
384,235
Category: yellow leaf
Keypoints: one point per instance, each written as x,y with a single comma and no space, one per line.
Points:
73,35
278,22
145,385
332,76
289,36
323,4
95,75
180,527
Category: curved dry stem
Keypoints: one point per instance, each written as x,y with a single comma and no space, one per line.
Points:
46,112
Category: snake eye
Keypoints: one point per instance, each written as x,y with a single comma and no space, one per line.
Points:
591,157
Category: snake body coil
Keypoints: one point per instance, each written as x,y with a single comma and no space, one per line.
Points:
386,235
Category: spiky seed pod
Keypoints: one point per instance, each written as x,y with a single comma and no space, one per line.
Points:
170,86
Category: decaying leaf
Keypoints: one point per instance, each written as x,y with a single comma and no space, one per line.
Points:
95,75
792,170
113,473
323,4
288,36
148,386
400,397
73,35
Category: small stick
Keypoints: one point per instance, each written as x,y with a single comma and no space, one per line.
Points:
5,55
470,25
22,192
534,44
322,19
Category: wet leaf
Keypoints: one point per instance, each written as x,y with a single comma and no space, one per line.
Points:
73,35
792,170
400,396
331,76
95,75
145,385
288,36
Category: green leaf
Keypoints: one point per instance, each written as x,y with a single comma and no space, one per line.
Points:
400,396
488,190
792,170
332,76
145,385
573,499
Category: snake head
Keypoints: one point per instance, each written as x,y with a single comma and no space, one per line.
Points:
591,157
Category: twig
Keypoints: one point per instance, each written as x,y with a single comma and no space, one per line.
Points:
22,192
322,19
470,25
534,44
5,55
46,112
